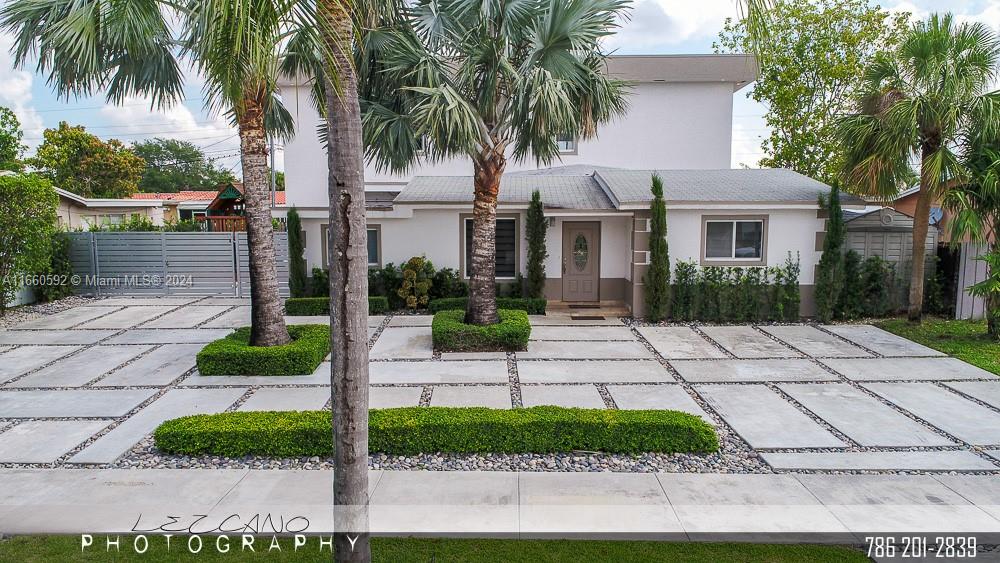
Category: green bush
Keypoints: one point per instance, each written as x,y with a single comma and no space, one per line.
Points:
536,227
878,287
657,278
851,305
233,354
414,430
448,283
451,334
527,304
736,294
686,279
312,306
416,282
830,271
319,282
297,279
55,280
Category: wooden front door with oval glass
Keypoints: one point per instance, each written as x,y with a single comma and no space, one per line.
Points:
581,264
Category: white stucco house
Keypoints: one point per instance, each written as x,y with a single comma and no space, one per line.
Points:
597,198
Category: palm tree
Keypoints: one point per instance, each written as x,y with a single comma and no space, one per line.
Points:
129,49
487,80
921,101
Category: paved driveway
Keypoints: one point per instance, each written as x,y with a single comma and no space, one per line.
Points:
84,386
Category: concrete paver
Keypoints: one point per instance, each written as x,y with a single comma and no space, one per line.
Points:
375,320
471,355
71,402
582,396
679,342
319,377
128,317
903,369
880,341
491,396
616,503
22,360
159,367
403,343
593,371
878,461
955,415
861,417
174,404
985,391
227,301
392,397
187,317
601,350
981,490
429,373
167,300
411,320
764,419
287,399
656,397
21,444
566,320
67,318
78,369
746,342
581,333
240,316
814,342
170,336
53,337
732,371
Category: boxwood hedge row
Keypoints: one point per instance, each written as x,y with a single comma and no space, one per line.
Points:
450,333
533,306
414,430
312,306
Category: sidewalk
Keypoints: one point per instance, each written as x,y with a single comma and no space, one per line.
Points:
835,508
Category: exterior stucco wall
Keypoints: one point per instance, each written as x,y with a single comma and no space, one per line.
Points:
70,214
668,125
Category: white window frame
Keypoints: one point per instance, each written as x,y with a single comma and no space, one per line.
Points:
378,244
570,150
732,257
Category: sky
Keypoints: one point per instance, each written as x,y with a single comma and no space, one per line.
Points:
655,27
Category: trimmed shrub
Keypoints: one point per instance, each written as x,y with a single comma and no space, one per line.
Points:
787,293
414,430
319,283
527,304
447,283
313,306
297,282
686,280
878,287
451,334
657,278
233,354
536,229
830,271
416,282
55,280
851,305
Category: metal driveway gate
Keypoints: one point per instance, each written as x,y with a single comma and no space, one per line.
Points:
133,263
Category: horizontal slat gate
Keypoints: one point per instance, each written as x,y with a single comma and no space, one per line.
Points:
168,263
971,271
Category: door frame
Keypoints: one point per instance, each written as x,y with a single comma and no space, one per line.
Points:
597,247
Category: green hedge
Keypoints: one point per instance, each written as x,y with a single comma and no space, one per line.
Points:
414,430
311,306
533,306
233,354
450,333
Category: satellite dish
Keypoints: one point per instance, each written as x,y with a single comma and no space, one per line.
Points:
937,214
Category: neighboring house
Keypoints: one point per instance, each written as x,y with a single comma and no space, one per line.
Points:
183,205
597,203
77,212
906,203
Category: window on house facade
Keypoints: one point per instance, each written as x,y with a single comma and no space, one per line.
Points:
506,266
566,143
734,240
374,233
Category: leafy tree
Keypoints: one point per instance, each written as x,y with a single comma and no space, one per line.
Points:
80,162
298,280
830,273
173,165
810,69
922,100
657,280
27,221
478,78
11,147
536,228
55,277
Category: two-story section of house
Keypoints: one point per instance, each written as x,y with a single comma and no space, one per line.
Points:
596,197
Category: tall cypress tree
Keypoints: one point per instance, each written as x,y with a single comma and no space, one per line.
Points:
537,254
297,280
830,275
657,279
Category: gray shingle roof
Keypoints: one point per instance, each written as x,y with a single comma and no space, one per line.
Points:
631,187
564,192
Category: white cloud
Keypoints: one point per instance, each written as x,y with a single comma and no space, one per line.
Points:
665,22
15,92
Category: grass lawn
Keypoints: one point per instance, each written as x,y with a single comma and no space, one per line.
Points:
965,340
46,549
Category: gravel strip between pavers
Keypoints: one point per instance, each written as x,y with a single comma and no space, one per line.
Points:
24,313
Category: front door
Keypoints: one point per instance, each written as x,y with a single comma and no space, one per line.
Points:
581,267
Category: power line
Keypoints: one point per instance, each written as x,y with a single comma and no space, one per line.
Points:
81,108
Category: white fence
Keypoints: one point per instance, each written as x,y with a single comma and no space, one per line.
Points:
133,263
971,271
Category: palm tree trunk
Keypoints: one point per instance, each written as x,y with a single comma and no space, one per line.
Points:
348,261
992,302
482,309
267,325
921,222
